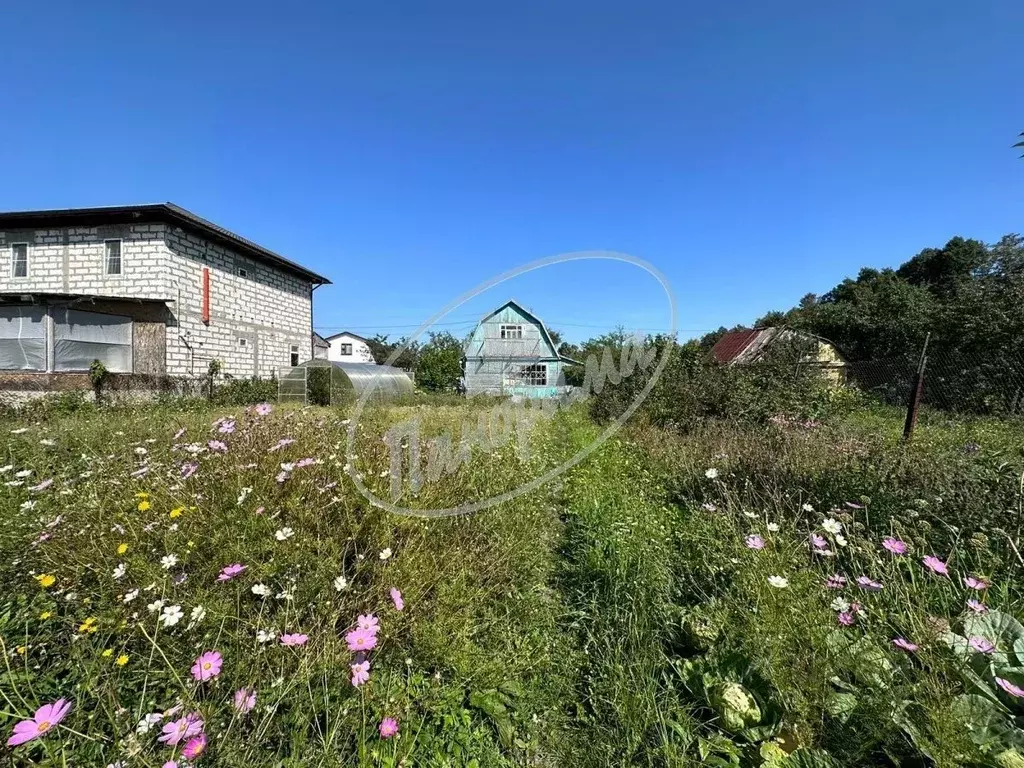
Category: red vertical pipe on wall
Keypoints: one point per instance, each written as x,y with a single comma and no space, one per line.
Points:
206,295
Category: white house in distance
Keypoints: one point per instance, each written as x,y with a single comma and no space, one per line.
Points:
145,289
346,347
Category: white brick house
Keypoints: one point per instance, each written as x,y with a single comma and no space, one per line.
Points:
149,289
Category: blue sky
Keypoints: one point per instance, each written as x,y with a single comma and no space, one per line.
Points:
751,151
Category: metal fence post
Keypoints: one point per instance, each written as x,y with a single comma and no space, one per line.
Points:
915,393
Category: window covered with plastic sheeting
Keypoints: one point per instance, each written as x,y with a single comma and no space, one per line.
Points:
22,338
81,337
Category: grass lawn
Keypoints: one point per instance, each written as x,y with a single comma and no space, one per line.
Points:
207,587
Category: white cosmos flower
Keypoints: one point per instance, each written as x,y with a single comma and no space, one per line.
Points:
140,451
807,508
6,468
26,505
750,514
711,473
778,582
168,561
284,534
340,583
840,540
832,525
243,495
171,615
198,614
385,554
155,606
265,636
839,605
260,589
119,571
147,723
773,527
129,596
23,473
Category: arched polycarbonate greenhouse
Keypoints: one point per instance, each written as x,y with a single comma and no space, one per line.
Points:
326,381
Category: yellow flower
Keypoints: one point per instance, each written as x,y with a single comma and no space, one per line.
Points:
122,548
108,653
45,615
191,544
21,650
144,505
141,495
176,512
121,660
45,580
89,625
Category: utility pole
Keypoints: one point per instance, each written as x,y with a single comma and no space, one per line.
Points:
915,392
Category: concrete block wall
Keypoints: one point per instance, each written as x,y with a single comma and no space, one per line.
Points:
269,308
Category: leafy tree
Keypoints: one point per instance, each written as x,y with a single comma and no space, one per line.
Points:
382,349
440,363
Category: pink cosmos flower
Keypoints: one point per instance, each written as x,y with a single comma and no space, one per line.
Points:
360,673
306,462
896,546
43,485
846,618
263,409
974,583
935,565
361,640
1014,690
183,728
981,645
188,469
195,747
283,442
369,622
396,598
217,446
230,571
170,764
294,640
245,700
227,426
388,727
836,582
865,582
754,542
977,606
906,645
207,666
818,541
45,718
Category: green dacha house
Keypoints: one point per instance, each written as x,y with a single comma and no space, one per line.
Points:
512,353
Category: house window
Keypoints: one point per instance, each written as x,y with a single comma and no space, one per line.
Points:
242,342
511,331
295,355
346,349
19,260
243,272
112,257
534,375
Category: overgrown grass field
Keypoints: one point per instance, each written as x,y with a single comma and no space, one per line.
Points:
207,587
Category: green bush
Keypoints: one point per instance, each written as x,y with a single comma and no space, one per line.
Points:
245,392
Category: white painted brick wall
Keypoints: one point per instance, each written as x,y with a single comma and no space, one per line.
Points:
270,308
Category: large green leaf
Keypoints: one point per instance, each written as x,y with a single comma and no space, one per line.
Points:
987,723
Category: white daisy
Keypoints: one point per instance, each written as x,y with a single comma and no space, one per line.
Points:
340,583
385,554
168,561
129,596
832,525
284,534
262,590
778,582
